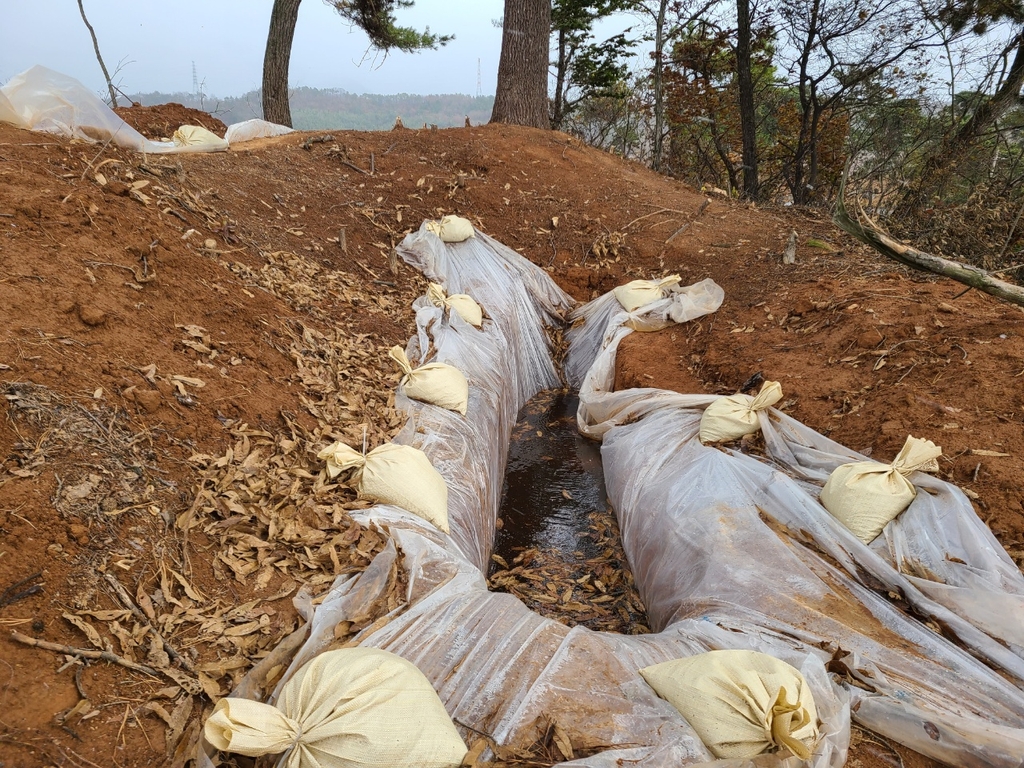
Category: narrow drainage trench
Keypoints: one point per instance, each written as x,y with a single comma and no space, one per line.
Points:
558,547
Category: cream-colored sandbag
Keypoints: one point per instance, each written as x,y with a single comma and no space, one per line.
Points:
865,495
435,383
732,417
394,474
451,229
464,305
344,709
197,137
638,293
740,703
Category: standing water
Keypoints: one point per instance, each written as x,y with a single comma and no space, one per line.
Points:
558,546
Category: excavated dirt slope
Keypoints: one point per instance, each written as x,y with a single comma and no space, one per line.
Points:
179,335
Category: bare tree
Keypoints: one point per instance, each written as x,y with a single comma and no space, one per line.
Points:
748,115
521,97
96,46
685,12
839,45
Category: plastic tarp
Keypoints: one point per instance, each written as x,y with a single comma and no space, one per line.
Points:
729,552
247,130
40,99
736,550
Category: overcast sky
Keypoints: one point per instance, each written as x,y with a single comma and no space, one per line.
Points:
158,42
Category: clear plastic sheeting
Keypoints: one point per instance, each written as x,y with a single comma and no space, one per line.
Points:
247,130
40,99
730,552
598,327
498,667
736,551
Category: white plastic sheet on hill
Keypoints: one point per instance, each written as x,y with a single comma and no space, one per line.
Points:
40,99
729,552
247,130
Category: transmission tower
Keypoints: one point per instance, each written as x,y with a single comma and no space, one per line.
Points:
195,79
479,89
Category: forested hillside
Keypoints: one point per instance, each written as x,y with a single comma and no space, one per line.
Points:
316,108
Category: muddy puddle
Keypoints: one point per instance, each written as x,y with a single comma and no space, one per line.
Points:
558,546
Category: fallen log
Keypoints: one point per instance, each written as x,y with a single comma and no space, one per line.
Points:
869,232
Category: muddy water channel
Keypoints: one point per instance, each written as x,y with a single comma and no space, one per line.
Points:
558,546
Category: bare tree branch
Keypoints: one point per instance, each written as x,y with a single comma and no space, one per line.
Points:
96,46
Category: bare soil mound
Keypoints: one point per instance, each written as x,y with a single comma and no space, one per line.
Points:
178,337
162,120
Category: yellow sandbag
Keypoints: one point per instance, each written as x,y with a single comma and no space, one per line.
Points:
732,417
344,709
865,495
464,305
197,137
740,703
451,229
435,383
636,294
394,474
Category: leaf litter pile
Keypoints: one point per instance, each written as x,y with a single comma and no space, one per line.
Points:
262,514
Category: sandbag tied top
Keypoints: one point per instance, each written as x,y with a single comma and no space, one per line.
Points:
197,137
464,305
865,495
740,703
394,474
732,417
344,709
638,293
451,229
435,383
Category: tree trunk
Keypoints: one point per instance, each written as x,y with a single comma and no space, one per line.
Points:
96,46
1006,96
558,107
521,97
275,61
748,117
659,85
938,167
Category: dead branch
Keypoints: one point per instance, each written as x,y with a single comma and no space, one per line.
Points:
686,226
308,143
86,653
96,45
872,234
14,592
355,167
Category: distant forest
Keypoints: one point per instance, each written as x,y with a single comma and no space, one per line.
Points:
316,108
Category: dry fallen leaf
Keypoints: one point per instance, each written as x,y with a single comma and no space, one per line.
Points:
563,742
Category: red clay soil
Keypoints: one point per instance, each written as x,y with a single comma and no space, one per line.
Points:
162,120
225,269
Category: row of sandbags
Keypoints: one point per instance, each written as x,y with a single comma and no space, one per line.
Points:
40,99
732,553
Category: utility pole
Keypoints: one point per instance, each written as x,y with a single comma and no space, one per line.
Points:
195,80
479,88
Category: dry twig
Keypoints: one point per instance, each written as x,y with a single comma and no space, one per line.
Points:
85,653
